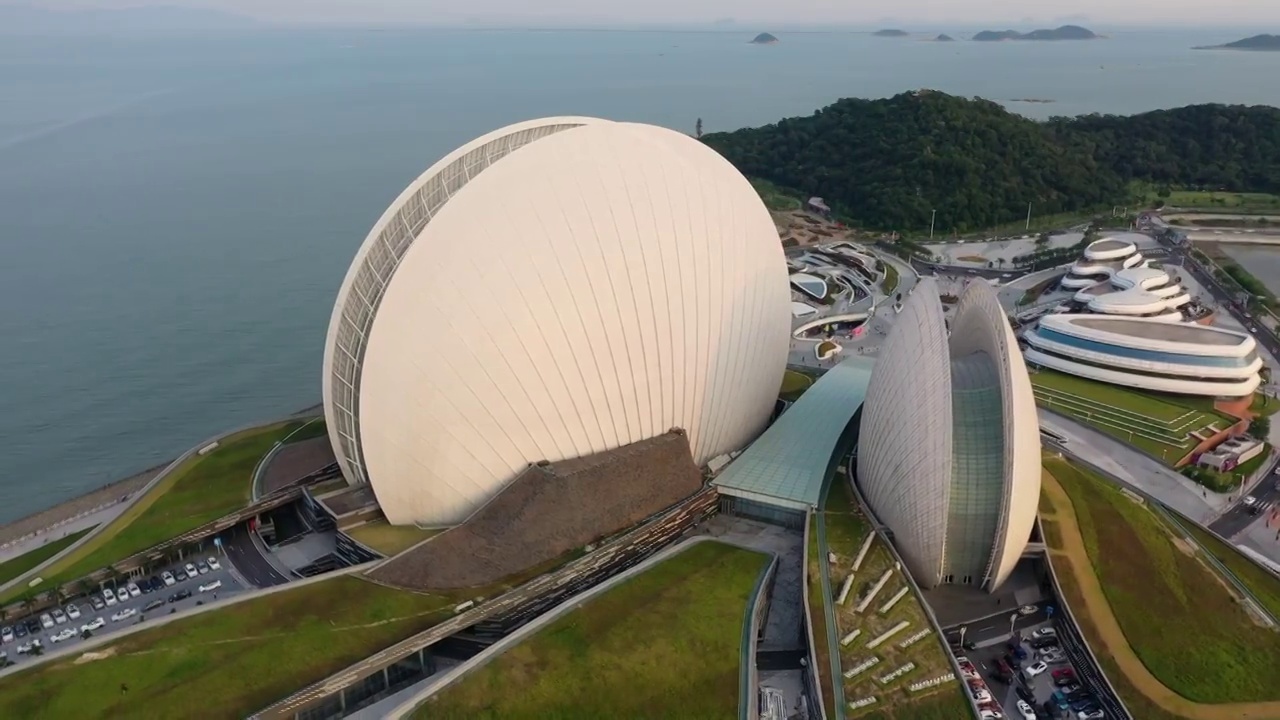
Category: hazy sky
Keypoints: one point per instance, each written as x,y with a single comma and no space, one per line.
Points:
923,14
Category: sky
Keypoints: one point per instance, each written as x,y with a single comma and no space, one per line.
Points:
1264,15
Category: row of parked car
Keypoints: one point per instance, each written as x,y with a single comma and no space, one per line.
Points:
988,707
109,597
1021,666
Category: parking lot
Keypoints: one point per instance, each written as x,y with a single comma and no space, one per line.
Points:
16,638
1029,679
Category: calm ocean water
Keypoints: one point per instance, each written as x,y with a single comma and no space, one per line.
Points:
176,213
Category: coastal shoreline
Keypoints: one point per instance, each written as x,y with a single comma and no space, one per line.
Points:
43,521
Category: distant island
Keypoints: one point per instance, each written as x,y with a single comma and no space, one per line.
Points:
764,39
1257,42
1066,32
943,38
1031,100
891,33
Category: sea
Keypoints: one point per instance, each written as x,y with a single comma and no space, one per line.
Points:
177,211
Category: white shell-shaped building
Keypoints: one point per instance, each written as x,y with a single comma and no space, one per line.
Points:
949,445
551,290
1114,278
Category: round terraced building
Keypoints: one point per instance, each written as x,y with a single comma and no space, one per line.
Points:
551,290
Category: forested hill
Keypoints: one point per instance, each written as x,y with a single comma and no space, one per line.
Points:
889,163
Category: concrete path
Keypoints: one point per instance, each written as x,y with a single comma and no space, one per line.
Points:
26,545
1112,636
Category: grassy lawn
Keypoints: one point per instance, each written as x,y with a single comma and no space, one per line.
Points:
774,197
14,567
794,384
1213,201
846,531
310,430
390,539
203,489
1175,612
666,643
890,282
229,662
1264,585
1158,424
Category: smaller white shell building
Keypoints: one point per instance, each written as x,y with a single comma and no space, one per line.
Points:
949,445
551,290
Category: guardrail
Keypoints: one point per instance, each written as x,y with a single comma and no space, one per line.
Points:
753,618
1078,651
265,461
813,684
1245,594
828,612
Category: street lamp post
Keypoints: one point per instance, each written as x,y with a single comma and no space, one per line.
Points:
1012,619
1028,216
932,217
963,628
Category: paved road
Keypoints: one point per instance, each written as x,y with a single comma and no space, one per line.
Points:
248,559
230,587
1239,517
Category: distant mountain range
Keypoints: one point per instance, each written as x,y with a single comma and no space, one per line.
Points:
1257,42
1066,32
32,20
891,33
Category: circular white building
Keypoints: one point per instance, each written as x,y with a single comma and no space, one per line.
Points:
553,289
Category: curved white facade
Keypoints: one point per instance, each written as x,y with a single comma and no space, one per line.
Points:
1114,279
1185,358
551,290
949,446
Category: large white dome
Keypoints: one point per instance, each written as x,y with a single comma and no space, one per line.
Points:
553,289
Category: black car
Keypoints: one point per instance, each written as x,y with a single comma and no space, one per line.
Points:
1026,695
180,595
1084,705
153,605
19,630
1013,661
33,625
1044,642
156,582
1064,680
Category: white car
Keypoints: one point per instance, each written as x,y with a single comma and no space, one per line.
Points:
986,714
1034,669
64,634
73,612
210,587
133,589
59,617
1249,500
1027,712
27,647
214,564
980,695
6,635
1044,633
109,596
1053,656
93,624
46,622
124,614
167,577
1027,610
191,570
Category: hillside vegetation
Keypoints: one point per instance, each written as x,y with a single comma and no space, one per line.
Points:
889,163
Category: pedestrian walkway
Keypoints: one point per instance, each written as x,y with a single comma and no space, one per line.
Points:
1107,628
32,542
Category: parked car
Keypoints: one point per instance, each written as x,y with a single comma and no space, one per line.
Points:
124,614
1012,661
1034,669
73,612
20,630
27,647
134,590
93,624
180,576
1025,694
167,577
980,695
109,597
59,617
1044,642
64,634
190,570
96,602
210,587
157,603
1053,656
1026,711
1094,714
214,564
1044,632
1064,681
6,634
1069,690
1028,610
180,595
1063,672
46,622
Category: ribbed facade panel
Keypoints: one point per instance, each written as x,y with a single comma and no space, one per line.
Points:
904,446
599,286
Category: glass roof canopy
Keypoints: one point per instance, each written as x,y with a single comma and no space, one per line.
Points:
786,465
